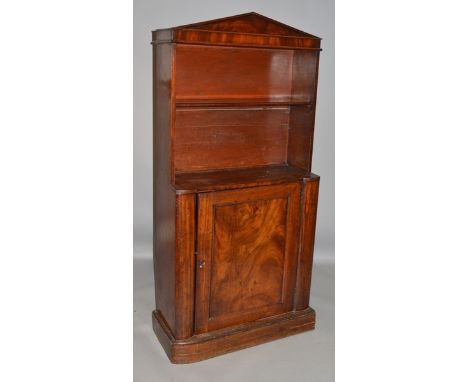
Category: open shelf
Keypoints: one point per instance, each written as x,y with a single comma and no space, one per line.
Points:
227,102
219,76
205,181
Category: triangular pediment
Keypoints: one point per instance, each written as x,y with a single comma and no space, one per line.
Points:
250,23
246,30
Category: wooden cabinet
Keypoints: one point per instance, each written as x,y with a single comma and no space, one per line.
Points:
234,200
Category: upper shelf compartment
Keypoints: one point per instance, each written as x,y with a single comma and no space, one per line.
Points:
215,75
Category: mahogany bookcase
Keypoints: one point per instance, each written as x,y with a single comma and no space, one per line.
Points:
234,199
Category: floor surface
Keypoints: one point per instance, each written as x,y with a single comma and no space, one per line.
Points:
304,357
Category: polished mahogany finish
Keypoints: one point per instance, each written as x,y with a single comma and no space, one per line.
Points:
203,134
234,199
186,182
250,29
247,252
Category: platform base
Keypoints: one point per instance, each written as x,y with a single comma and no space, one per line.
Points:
207,345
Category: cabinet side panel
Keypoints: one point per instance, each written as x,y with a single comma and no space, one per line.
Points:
185,264
304,269
164,203
302,119
301,131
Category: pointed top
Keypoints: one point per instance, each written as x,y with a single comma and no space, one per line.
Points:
252,23
248,29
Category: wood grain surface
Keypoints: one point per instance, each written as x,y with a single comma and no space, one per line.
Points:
217,180
218,342
241,137
245,30
247,243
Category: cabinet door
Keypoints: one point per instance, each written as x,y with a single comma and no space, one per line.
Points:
246,254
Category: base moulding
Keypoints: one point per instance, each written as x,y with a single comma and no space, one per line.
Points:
207,345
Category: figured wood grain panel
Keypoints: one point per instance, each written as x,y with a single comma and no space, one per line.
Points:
201,37
229,138
248,262
247,244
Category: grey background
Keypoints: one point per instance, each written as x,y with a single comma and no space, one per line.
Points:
298,358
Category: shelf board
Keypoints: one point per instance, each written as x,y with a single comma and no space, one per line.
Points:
186,102
205,181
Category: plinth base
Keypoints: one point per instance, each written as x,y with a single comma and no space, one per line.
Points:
212,344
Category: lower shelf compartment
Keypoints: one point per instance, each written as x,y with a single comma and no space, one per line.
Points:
222,341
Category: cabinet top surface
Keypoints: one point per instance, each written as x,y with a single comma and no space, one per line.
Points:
207,181
248,29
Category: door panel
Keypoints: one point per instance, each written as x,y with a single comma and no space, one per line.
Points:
247,253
